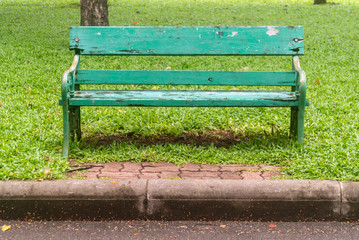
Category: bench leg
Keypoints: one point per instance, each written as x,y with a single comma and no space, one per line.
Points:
297,123
293,121
75,123
301,125
66,126
77,118
72,123
78,123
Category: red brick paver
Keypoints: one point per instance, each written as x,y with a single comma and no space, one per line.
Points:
209,168
94,167
231,175
109,174
191,167
230,168
160,167
251,175
128,175
199,175
239,167
112,167
169,175
271,175
90,175
131,167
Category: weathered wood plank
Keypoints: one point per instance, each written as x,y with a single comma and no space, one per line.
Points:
129,40
233,78
185,98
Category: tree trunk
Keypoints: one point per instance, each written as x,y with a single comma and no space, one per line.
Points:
320,1
94,13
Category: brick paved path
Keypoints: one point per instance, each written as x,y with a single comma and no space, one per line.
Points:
145,170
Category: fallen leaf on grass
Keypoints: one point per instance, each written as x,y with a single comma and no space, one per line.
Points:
5,227
49,159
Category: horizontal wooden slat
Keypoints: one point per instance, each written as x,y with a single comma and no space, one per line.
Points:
186,77
129,40
185,98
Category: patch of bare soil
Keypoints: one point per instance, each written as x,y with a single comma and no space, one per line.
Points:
217,138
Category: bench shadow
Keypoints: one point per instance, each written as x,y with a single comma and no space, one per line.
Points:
219,139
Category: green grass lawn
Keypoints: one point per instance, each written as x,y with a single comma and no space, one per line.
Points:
34,54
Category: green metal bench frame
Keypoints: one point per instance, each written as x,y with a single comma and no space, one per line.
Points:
184,41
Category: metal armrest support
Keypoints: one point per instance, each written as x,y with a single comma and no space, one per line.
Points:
301,81
68,77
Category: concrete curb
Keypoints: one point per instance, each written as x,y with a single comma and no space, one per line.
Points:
179,199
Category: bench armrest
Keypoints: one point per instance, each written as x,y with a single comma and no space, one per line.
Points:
301,81
67,80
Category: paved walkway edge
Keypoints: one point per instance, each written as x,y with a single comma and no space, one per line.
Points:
180,199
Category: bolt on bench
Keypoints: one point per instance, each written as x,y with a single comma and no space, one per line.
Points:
183,41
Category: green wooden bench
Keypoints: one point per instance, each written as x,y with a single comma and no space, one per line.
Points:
183,41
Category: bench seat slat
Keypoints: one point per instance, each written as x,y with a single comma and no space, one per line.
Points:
185,98
133,40
232,78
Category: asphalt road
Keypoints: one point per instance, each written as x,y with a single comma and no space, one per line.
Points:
177,230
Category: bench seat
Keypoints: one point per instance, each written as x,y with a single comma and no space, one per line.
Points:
188,98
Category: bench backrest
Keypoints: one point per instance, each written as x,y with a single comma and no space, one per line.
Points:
270,40
187,41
